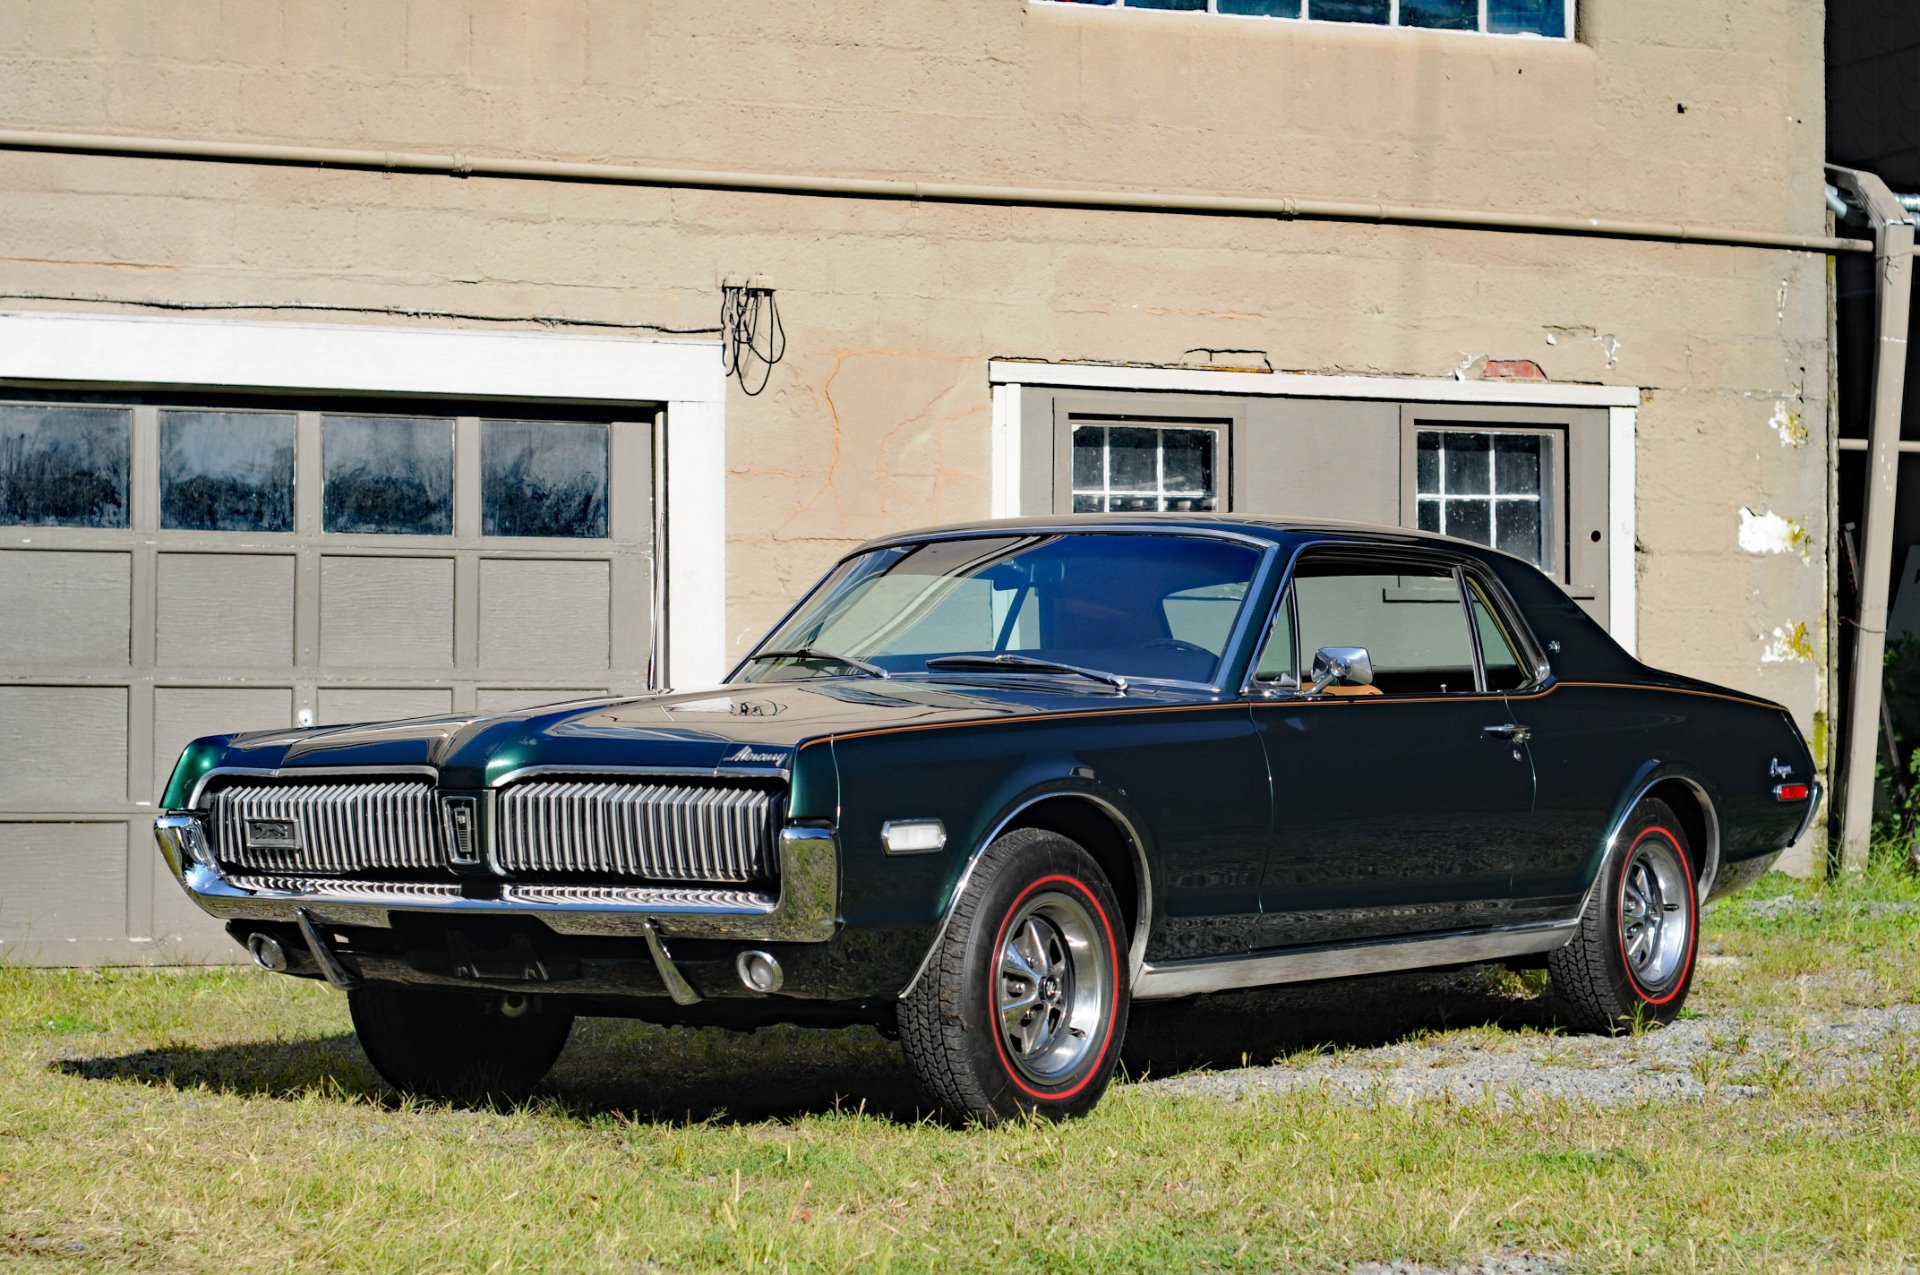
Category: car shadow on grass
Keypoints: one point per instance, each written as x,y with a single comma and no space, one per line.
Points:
1236,1029
645,1072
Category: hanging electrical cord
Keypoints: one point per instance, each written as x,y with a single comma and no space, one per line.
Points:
750,332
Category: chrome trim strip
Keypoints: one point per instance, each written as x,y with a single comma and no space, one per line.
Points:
806,911
300,772
1137,951
684,772
1216,974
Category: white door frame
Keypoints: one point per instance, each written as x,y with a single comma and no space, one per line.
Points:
1622,402
79,348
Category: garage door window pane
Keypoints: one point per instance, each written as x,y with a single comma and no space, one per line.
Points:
226,471
1144,469
543,478
388,474
64,466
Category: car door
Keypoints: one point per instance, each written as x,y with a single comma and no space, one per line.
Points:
1400,803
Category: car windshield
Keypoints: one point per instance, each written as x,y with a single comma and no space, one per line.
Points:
1132,605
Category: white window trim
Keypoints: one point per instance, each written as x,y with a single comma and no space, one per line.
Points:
1008,376
146,352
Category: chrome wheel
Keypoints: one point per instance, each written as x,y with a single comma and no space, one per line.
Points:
1655,917
1053,987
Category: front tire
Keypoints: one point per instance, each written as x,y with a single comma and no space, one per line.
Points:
459,1047
1631,962
1024,1004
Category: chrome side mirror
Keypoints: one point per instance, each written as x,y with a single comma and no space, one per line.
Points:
1332,664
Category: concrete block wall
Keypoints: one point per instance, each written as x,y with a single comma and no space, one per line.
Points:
878,418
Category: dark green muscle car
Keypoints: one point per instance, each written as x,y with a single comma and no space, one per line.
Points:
987,785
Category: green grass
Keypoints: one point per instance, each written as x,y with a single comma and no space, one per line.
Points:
225,1121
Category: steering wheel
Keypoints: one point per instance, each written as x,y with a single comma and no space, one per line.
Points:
1183,646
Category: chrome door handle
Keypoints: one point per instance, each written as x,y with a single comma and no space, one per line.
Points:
1509,730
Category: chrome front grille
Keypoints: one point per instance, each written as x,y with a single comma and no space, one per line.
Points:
664,831
328,828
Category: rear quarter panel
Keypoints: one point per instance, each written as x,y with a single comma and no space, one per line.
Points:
1596,747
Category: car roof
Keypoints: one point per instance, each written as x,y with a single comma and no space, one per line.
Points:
1275,530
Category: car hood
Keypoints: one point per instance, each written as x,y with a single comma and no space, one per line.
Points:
742,728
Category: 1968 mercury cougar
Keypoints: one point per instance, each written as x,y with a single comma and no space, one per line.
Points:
985,786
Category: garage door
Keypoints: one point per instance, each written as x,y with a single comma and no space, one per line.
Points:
173,567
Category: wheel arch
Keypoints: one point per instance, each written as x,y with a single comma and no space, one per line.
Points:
1100,822
1692,801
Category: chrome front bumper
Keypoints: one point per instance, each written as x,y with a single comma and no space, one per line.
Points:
804,911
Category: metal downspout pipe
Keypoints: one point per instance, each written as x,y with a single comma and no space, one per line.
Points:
1893,271
1281,208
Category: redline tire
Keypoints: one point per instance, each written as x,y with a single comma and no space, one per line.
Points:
455,1046
1025,1002
1631,962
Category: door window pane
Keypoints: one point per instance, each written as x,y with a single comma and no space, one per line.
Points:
64,466
1527,17
226,471
1276,658
1410,620
1499,652
1145,469
1262,8
1373,11
388,474
1199,5
543,478
1491,488
1449,15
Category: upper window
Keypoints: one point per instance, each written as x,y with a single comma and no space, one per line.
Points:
1550,18
389,474
226,471
64,466
543,478
1129,468
1490,488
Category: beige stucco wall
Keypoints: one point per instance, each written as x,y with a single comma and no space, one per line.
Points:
879,417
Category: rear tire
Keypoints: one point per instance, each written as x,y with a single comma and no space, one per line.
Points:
1024,1004
1631,962
455,1046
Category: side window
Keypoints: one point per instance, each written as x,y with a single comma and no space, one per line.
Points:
1409,618
1499,651
1276,664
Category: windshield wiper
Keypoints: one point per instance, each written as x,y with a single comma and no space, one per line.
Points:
815,653
1025,664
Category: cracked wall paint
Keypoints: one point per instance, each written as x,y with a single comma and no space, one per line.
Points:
1609,346
1770,533
1789,645
1792,430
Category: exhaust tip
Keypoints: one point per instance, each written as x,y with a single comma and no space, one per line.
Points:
267,952
759,972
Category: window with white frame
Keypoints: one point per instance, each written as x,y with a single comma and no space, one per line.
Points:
1135,468
1552,19
1493,487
